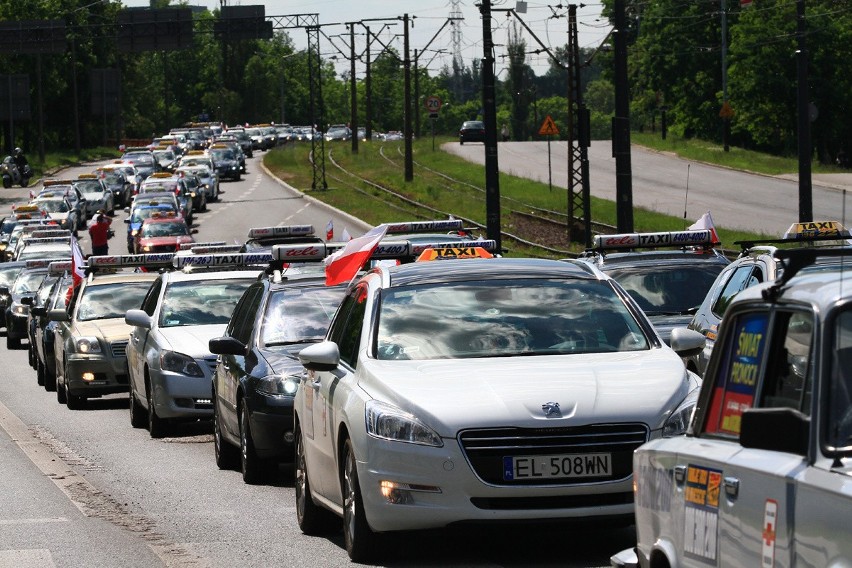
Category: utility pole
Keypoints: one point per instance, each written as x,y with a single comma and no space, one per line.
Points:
417,94
726,119
353,93
806,213
621,125
368,87
406,64
489,107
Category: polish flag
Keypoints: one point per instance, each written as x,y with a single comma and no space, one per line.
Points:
329,230
345,236
345,263
705,222
77,272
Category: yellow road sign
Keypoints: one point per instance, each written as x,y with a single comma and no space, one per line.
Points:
548,127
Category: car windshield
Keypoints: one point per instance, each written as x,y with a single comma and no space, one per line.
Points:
474,124
44,290
201,303
299,315
28,282
139,159
142,213
113,178
90,187
60,299
667,290
195,162
8,225
170,229
159,185
53,205
8,274
223,154
504,319
107,301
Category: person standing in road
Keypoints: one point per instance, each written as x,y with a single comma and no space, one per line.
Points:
99,231
505,132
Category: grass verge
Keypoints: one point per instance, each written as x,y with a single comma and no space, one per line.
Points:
292,165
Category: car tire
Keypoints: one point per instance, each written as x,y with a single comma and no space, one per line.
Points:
61,395
360,540
31,356
157,427
254,469
40,373
138,419
12,343
74,402
313,519
461,142
7,183
226,454
49,379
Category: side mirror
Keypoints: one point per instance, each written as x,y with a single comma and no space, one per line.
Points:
775,429
687,342
4,290
38,311
137,318
27,300
226,346
324,356
127,221
58,314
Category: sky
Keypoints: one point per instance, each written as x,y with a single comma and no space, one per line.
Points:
428,17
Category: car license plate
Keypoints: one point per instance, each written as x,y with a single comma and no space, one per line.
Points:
98,382
562,466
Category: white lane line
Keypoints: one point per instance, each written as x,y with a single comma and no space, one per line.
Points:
32,558
7,522
299,212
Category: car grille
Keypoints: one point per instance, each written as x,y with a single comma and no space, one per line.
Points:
118,348
485,449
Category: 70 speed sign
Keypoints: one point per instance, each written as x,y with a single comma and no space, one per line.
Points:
432,104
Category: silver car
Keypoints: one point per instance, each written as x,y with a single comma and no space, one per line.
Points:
170,365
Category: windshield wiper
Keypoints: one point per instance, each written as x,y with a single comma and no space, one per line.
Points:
293,342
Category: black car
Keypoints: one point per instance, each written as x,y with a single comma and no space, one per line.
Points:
9,271
38,300
45,331
144,160
21,292
257,372
472,131
226,162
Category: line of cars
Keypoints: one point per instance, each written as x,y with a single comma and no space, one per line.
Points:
422,393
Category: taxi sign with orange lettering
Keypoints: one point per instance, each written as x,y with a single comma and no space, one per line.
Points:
453,253
548,127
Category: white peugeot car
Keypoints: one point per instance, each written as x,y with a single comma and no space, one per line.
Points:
481,390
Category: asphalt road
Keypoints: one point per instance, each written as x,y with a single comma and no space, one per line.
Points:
84,489
665,183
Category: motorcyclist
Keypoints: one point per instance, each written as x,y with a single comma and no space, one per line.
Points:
20,160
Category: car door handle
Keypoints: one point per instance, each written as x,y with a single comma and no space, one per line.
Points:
680,474
315,384
732,487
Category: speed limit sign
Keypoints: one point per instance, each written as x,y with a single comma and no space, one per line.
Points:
432,104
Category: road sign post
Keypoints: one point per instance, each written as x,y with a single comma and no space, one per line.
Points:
548,128
433,105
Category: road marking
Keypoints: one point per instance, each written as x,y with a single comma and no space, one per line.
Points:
7,522
88,499
299,212
33,558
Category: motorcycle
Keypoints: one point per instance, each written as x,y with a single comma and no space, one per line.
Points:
12,176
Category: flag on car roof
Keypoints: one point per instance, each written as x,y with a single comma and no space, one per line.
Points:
345,236
329,230
345,263
705,222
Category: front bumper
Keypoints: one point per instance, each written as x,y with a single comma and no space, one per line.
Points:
459,496
271,423
181,396
109,375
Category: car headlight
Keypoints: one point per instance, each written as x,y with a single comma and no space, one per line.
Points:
3,246
147,248
88,345
134,232
677,423
279,386
180,363
20,310
388,422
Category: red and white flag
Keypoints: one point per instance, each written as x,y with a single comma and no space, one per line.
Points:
345,236
345,263
705,222
77,262
329,230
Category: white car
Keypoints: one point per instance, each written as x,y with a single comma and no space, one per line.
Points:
762,477
481,390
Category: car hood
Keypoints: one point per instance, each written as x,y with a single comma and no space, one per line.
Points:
453,394
111,329
191,340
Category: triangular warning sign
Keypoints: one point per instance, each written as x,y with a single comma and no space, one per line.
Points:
548,127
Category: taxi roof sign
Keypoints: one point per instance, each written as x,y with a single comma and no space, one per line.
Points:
817,229
131,260
219,260
216,249
59,267
188,246
282,231
87,176
425,226
39,263
47,240
453,253
703,237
